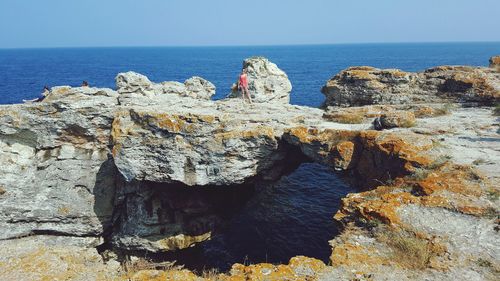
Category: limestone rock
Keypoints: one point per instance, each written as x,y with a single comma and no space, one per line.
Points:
197,87
495,62
266,82
39,144
397,119
149,169
170,87
198,144
359,86
54,258
367,85
133,82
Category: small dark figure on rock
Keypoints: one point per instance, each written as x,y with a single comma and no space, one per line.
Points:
45,93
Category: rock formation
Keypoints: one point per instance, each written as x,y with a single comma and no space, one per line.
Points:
266,82
195,87
364,85
149,167
495,62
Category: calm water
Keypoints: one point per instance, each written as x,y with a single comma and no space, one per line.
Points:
291,217
23,73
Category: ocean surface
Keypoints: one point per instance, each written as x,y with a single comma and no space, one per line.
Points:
24,72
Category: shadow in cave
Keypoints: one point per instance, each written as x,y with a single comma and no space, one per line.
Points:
104,191
261,220
282,219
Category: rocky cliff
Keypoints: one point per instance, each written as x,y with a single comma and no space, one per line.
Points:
151,166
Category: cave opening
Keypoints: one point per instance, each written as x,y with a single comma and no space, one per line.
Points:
259,221
285,211
290,217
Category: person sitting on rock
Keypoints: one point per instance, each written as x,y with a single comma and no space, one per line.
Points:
243,85
85,84
45,93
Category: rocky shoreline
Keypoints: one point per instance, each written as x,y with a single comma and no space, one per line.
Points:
149,166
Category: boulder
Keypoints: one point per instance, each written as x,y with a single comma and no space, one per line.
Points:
199,88
170,87
360,86
266,82
495,62
133,82
195,87
395,119
364,85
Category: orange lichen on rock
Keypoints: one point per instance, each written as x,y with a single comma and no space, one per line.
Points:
448,186
362,73
327,137
452,178
300,268
378,204
259,131
495,61
410,147
345,152
171,275
173,123
352,254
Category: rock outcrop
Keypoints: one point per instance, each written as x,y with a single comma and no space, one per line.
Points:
150,167
266,82
57,175
125,146
495,62
195,87
359,86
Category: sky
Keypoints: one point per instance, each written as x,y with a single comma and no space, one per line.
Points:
98,23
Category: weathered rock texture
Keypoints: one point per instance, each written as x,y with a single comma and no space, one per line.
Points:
364,85
195,87
85,157
495,62
266,82
55,170
149,167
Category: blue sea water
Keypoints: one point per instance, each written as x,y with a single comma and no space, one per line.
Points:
291,217
24,72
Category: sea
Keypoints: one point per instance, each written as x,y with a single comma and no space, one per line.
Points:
290,217
24,72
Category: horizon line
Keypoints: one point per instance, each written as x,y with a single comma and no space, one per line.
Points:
243,45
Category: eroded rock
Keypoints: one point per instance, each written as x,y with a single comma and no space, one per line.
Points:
495,62
194,87
359,86
135,83
266,82
142,167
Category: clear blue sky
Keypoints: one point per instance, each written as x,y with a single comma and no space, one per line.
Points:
78,23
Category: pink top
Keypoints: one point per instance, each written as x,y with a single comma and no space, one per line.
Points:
243,81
